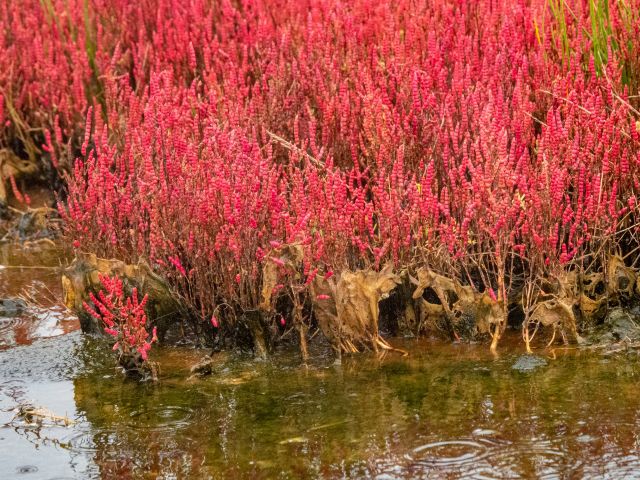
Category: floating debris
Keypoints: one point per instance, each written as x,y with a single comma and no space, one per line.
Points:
41,416
293,440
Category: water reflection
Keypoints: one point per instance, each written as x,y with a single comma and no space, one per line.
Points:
30,292
444,412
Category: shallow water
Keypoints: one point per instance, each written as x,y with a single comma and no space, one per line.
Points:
446,411
32,277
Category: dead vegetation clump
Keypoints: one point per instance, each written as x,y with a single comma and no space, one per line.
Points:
460,305
345,307
26,201
570,302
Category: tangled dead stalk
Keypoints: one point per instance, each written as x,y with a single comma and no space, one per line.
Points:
564,300
458,303
347,308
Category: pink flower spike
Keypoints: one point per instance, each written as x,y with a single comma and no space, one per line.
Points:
214,322
323,297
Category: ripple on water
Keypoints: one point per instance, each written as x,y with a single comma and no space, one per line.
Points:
11,393
84,441
489,457
450,453
162,418
8,325
541,460
44,360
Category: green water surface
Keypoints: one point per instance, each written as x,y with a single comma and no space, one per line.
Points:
445,411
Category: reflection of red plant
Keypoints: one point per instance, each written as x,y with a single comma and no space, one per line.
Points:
123,317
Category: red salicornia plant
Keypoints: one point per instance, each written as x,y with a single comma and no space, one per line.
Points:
124,318
493,141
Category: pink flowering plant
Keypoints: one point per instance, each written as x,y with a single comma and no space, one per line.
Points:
495,141
124,318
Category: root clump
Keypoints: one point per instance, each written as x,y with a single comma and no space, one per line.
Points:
345,307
